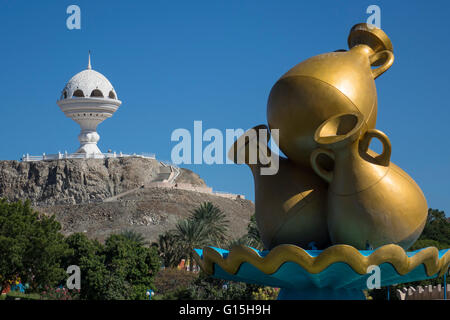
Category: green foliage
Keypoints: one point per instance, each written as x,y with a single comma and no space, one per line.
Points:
134,263
169,249
253,234
81,248
190,235
31,247
134,236
206,226
171,279
425,243
251,239
20,295
214,220
208,288
121,269
51,293
437,228
265,293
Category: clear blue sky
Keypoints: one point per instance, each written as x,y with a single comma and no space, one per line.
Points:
173,62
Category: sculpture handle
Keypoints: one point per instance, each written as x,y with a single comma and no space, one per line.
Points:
250,147
325,174
385,157
388,58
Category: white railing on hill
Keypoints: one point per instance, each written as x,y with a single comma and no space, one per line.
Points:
65,155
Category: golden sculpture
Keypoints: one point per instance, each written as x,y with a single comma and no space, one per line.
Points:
326,85
371,201
325,109
290,205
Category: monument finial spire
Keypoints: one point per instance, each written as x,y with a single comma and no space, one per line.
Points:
89,62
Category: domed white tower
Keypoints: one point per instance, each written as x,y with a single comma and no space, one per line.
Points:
88,99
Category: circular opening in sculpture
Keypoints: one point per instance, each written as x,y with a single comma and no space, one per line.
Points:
338,128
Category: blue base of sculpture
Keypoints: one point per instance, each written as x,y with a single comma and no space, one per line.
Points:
337,273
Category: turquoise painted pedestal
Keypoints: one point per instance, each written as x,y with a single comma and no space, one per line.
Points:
337,281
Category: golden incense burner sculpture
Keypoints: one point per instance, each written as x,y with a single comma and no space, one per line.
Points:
371,201
326,85
290,205
333,209
332,189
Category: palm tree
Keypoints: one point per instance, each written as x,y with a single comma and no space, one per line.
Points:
251,239
253,234
242,241
207,225
134,237
169,248
191,234
214,220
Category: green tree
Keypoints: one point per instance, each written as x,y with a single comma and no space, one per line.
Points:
31,246
170,250
134,263
206,226
134,236
118,270
191,234
208,288
425,243
172,279
214,220
437,227
251,239
88,255
253,234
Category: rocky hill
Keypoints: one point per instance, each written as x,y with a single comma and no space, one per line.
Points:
100,197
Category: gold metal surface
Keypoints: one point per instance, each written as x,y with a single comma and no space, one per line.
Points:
325,109
371,201
326,85
281,254
290,206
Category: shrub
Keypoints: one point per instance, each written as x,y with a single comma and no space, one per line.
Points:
173,279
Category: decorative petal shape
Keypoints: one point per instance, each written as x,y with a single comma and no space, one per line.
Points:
338,267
